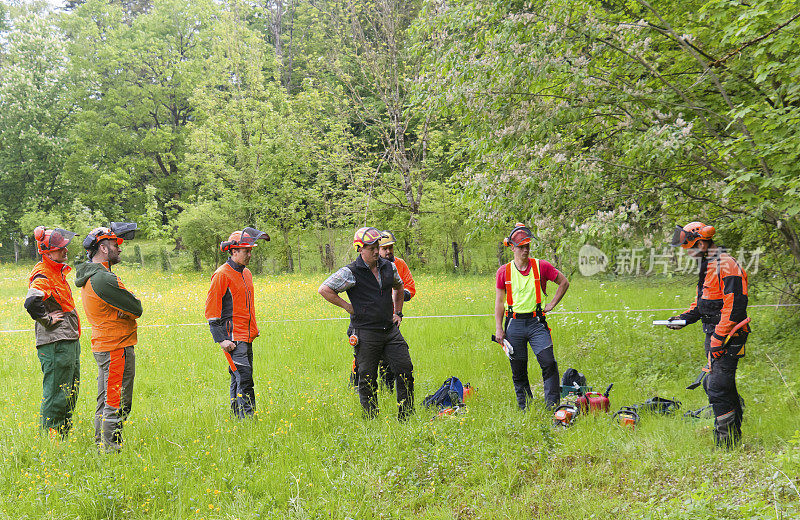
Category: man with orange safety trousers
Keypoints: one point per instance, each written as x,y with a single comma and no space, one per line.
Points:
230,311
518,297
58,329
721,304
112,311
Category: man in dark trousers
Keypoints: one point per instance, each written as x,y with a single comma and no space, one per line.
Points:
518,298
375,290
232,318
721,304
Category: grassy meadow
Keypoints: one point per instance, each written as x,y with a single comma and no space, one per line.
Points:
309,454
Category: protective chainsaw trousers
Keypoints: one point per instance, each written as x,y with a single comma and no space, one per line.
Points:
116,370
723,396
520,333
374,345
243,393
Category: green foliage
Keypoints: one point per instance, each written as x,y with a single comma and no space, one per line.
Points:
37,106
163,255
579,111
446,121
203,227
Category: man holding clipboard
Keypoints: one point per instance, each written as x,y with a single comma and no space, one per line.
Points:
721,305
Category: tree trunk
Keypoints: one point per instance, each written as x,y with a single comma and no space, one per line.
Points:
289,259
299,266
326,258
455,255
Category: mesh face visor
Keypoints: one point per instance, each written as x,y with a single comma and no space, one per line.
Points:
245,238
123,230
250,235
520,236
681,238
55,240
59,238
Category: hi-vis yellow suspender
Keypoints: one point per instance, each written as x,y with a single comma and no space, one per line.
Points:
537,282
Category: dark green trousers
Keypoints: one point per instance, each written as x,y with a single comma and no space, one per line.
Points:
61,367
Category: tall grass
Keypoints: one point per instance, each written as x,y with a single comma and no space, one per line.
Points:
309,454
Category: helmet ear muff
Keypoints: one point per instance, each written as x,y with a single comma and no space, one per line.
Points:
506,242
39,233
707,232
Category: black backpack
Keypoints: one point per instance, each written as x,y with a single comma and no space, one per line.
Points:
572,377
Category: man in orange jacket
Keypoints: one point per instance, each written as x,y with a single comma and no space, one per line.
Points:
387,251
230,311
721,304
112,311
58,329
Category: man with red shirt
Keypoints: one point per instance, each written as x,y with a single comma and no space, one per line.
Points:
58,329
519,288
230,311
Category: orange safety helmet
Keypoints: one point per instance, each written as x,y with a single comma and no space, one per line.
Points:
519,236
244,239
50,240
119,231
688,235
365,236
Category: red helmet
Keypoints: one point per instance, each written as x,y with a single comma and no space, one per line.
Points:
50,240
365,236
244,239
688,235
519,236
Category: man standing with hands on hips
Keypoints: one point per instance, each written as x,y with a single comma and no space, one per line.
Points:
230,311
58,329
375,290
518,297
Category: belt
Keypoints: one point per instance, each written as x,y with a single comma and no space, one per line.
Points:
521,315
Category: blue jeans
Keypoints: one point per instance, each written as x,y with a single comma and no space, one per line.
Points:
530,331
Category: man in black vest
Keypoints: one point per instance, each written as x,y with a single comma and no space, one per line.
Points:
375,290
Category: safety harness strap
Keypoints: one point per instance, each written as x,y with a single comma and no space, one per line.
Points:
537,283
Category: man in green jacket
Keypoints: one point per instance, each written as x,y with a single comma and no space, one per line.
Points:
112,311
58,329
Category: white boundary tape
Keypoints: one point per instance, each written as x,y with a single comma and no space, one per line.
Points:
601,311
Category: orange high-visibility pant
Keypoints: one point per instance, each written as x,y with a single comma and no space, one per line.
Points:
115,373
